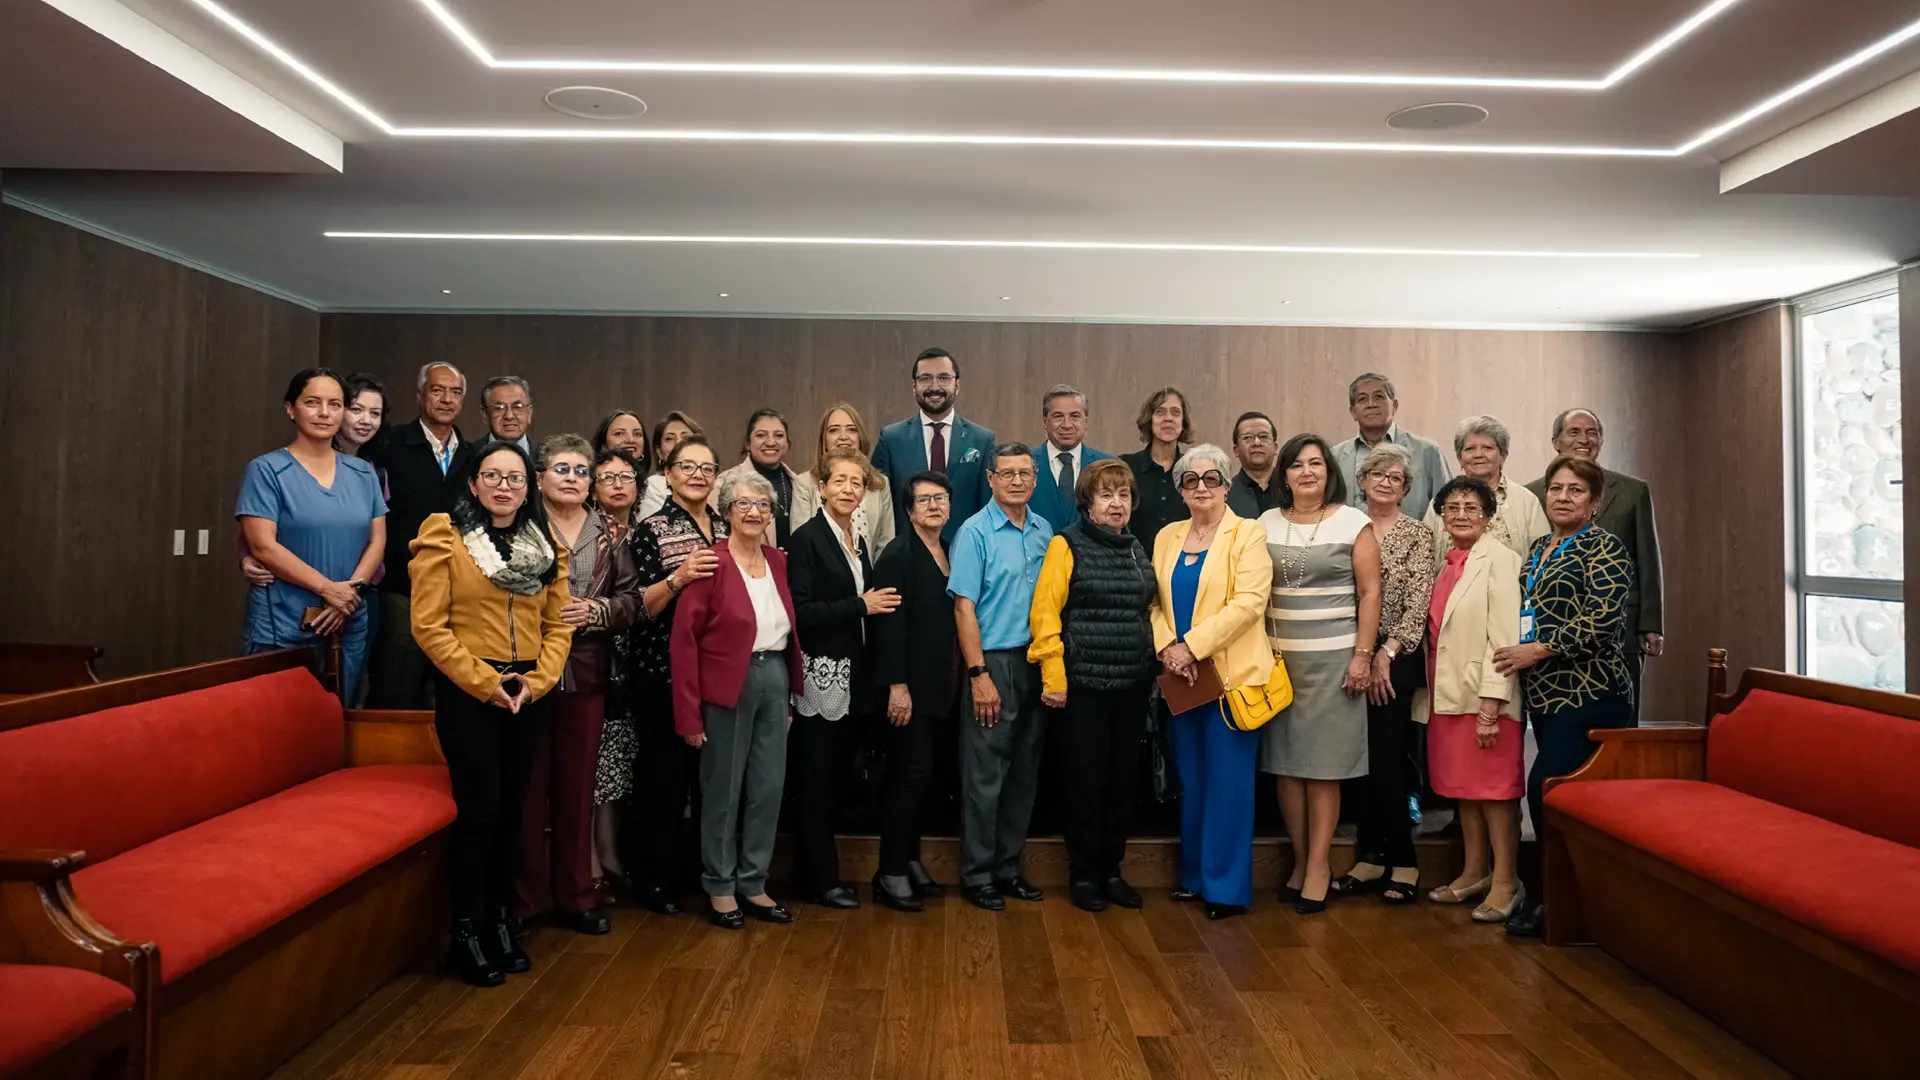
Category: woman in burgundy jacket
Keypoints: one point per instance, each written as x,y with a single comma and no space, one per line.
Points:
735,661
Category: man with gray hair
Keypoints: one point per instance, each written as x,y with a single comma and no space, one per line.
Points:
1060,460
1625,509
508,402
1373,404
419,461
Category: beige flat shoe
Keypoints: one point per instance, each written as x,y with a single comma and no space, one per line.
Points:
1487,913
1447,894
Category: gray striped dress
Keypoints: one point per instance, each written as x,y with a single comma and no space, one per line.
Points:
1312,619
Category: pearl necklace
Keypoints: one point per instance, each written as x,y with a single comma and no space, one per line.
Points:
1292,576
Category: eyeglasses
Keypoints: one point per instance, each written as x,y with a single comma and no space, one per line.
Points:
496,478
1014,476
1255,438
1390,479
941,379
753,506
936,498
564,469
622,477
1213,478
697,468
501,408
1469,510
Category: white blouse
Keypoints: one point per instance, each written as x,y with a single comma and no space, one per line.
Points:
771,625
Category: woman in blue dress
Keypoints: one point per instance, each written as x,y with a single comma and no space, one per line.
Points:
315,518
1214,577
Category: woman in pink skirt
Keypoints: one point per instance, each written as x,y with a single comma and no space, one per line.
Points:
1474,733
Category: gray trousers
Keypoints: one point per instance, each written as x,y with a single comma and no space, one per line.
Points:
1000,770
743,769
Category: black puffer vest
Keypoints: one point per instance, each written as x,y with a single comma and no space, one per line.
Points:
1104,624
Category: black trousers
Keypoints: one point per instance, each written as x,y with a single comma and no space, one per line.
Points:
1100,733
1564,746
1386,827
914,750
489,755
664,768
819,758
399,675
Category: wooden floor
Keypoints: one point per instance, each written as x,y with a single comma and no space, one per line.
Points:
1041,990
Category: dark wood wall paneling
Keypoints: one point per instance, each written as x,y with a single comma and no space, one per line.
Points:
134,392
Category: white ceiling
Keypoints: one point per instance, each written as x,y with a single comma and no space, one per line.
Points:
409,72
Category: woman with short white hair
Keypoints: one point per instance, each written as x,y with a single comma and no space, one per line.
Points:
1481,443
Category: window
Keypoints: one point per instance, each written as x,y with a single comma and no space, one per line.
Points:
1853,625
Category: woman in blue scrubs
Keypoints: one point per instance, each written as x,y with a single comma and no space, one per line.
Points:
316,519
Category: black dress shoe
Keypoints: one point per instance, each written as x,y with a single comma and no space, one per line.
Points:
727,920
1216,912
924,886
502,948
985,897
1528,924
908,903
590,921
658,900
770,913
1019,888
1087,896
840,897
1121,893
1186,896
468,958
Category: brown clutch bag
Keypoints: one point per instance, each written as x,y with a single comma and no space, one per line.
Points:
1182,696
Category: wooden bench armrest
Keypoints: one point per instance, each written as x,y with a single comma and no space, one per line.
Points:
392,737
1675,753
39,866
42,922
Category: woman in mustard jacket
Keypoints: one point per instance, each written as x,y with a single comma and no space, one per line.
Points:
488,585
1214,577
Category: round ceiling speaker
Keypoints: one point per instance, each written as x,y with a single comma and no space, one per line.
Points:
595,103
1439,116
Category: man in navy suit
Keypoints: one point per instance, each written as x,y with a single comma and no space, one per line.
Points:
1060,460
937,440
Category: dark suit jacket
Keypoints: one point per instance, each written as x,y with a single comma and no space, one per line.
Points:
918,643
713,631
416,489
901,452
829,611
1626,511
1060,508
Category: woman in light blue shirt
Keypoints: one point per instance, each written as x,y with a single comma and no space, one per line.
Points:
316,519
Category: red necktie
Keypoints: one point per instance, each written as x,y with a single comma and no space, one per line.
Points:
937,452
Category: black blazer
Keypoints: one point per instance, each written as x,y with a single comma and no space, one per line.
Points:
918,643
416,489
828,612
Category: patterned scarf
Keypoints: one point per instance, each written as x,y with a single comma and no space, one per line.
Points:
529,555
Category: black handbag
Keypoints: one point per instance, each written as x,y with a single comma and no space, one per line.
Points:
1164,778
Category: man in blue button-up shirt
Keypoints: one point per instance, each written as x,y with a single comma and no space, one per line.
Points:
995,560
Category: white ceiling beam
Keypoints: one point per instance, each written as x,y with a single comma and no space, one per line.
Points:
1856,117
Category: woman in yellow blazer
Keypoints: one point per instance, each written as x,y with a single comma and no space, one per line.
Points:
1473,716
488,585
1213,578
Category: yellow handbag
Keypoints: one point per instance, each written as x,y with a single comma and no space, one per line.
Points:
1248,708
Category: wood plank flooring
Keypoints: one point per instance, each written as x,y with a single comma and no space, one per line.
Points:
1041,990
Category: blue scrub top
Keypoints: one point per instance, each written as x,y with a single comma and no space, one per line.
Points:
327,528
998,568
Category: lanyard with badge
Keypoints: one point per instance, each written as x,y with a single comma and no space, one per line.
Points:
1534,567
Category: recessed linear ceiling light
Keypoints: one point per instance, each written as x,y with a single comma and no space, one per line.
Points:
471,42
1051,245
1800,89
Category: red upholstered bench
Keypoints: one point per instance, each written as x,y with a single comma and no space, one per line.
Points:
56,1018
286,856
1763,867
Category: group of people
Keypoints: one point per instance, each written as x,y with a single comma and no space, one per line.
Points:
629,620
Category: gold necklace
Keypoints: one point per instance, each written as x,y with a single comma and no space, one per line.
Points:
1292,577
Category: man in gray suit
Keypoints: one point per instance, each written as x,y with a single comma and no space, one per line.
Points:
1626,511
1371,400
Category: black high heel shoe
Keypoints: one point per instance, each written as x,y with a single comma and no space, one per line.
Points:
1306,905
468,958
924,887
908,903
502,946
1216,912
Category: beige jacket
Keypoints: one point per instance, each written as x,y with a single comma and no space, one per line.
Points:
1482,614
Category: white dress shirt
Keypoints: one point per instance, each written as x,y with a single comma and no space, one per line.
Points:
771,625
442,452
926,433
1053,460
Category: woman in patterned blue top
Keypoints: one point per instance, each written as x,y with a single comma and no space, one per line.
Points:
1572,627
315,518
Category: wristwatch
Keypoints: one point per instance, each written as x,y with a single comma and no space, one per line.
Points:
976,671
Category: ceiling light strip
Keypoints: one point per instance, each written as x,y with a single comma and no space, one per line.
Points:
471,42
1800,89
1046,245
267,45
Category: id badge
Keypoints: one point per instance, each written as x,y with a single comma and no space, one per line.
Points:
1526,626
